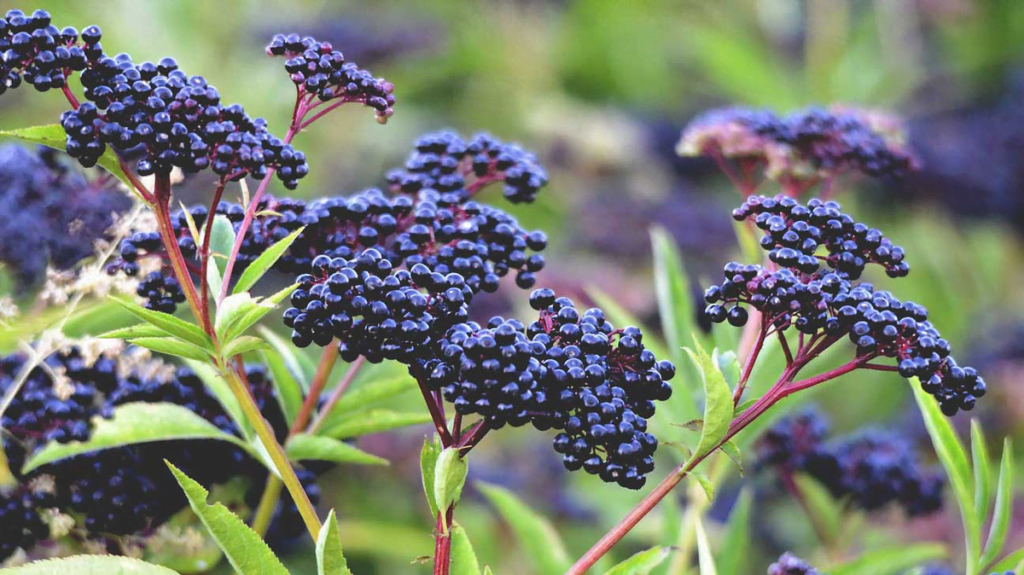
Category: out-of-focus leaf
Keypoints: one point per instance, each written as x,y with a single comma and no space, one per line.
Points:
705,558
289,391
1003,509
705,484
540,540
304,446
449,478
463,557
641,563
820,503
891,561
371,393
330,560
373,421
982,470
134,423
218,386
734,550
301,366
90,565
1012,562
672,286
262,265
244,548
428,463
222,239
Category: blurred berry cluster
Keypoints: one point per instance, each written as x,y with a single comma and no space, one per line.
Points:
808,145
870,468
795,290
128,489
317,68
790,564
52,214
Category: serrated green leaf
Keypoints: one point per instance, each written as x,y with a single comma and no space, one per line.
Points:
463,557
230,310
672,287
718,407
262,265
735,547
134,423
373,421
540,540
428,464
289,391
222,239
641,563
220,389
449,478
141,330
177,327
1013,561
982,470
369,394
244,344
90,565
330,559
705,558
705,483
301,365
891,561
245,316
54,136
304,446
1004,507
246,551
171,346
954,460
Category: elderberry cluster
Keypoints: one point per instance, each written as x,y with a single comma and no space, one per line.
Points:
567,371
790,564
871,468
827,301
34,50
21,527
443,161
317,68
65,212
161,292
805,145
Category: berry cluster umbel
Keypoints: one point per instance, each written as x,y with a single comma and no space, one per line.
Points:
34,51
871,468
569,371
810,144
123,490
796,291
317,68
790,564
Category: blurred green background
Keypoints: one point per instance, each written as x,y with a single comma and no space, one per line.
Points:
600,89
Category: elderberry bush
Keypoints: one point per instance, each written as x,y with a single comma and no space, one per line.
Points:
52,214
818,253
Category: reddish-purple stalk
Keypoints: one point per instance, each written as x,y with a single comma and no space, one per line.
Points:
204,250
338,391
783,387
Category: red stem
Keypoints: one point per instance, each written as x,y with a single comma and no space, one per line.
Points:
328,358
473,436
204,251
443,542
435,414
785,348
160,208
337,392
748,366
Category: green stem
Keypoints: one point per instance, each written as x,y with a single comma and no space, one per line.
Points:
268,502
274,449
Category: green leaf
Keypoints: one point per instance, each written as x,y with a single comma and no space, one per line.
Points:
177,327
821,505
54,136
728,365
330,560
305,446
222,239
262,265
134,423
244,344
733,452
641,563
705,484
449,479
954,460
539,539
247,311
246,551
892,560
219,388
140,330
90,565
705,558
1011,562
982,470
735,547
214,281
718,407
1004,507
171,346
428,464
301,365
745,406
289,391
374,421
675,305
368,394
232,309
463,557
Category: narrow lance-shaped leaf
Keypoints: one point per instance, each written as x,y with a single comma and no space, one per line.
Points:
301,365
244,344
541,542
90,565
891,561
1012,562
177,327
718,406
705,559
251,315
330,560
374,421
982,470
262,265
304,446
463,557
735,547
141,330
54,136
244,548
675,303
171,346
641,563
449,478
134,423
287,388
1003,509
